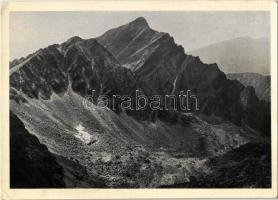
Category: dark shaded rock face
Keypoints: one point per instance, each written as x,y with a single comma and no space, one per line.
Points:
158,62
32,165
76,176
84,64
260,82
249,166
244,167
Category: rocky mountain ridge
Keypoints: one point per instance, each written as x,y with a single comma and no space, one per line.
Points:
162,65
128,148
89,66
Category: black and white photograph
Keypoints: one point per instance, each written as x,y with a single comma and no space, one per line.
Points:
140,99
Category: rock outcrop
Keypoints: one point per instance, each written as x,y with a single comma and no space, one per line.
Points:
261,83
32,165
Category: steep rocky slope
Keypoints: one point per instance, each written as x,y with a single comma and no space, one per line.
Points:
260,82
248,166
84,64
49,91
32,165
122,150
162,65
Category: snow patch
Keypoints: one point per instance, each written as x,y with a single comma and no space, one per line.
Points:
83,135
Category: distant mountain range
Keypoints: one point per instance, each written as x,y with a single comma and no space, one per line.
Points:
130,148
238,55
260,82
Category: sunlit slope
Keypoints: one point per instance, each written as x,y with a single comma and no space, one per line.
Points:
112,146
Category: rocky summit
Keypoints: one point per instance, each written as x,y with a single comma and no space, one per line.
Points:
94,147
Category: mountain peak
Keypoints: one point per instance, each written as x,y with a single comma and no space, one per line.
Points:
70,42
140,21
74,39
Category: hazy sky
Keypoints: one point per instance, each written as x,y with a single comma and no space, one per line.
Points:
33,30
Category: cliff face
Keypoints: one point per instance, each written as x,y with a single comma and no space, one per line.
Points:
32,165
158,62
260,82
